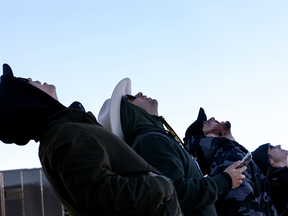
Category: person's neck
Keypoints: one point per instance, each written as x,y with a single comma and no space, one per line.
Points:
155,113
228,136
152,112
281,164
211,135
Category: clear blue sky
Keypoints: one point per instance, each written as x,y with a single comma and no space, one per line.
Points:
229,57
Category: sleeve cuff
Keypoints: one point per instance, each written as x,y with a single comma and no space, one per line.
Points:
228,178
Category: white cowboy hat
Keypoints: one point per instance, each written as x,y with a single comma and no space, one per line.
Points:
109,114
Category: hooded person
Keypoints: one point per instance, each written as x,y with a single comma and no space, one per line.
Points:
91,170
135,119
260,157
215,149
24,108
273,161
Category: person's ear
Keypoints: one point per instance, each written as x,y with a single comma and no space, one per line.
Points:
271,162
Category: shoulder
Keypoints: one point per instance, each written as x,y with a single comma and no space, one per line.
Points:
280,174
225,154
155,137
160,143
229,150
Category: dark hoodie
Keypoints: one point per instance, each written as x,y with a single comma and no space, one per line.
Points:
23,109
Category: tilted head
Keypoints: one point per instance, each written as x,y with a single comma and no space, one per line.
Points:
267,155
146,103
212,127
110,113
277,156
25,105
47,88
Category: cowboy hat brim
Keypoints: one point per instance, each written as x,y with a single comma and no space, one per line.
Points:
109,114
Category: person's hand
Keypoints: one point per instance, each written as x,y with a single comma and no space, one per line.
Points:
152,174
236,174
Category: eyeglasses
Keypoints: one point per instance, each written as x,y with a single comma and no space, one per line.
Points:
129,97
23,79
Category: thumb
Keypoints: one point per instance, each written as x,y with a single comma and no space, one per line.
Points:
236,164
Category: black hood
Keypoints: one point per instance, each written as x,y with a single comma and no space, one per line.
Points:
23,109
133,117
260,157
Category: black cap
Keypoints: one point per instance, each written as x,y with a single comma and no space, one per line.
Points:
260,157
196,127
7,71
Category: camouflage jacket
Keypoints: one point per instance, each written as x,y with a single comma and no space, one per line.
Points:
214,155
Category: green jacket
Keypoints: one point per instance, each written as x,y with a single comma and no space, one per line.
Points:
93,172
146,135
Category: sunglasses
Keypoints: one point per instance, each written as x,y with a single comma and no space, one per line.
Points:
129,97
23,79
271,146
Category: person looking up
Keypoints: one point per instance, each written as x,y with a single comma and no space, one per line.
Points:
92,171
273,162
215,148
135,119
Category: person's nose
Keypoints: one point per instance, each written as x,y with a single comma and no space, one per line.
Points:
212,119
278,146
139,94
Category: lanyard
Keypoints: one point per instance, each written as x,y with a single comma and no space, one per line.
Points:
172,131
180,141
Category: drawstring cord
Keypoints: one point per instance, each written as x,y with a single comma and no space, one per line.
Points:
180,141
